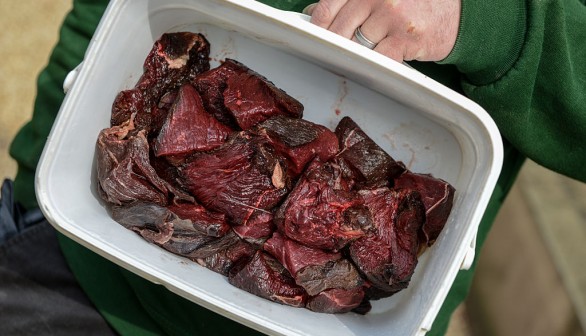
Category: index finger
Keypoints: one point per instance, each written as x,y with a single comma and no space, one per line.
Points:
325,11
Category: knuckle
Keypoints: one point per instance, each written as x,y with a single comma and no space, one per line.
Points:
322,14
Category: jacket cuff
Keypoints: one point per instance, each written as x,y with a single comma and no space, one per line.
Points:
490,39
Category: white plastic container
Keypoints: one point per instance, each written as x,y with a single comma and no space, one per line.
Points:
418,121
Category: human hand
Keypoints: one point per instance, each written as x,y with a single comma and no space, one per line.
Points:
404,30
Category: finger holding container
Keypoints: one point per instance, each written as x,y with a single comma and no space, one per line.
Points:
423,30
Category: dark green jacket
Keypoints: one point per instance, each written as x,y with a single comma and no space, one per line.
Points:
523,61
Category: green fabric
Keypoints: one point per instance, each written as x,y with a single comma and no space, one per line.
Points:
28,144
527,71
538,100
486,48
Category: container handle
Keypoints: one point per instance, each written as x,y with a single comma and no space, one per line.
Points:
470,254
71,78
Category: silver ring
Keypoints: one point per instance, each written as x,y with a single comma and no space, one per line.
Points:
363,40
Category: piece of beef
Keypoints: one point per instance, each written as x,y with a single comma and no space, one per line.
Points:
252,99
313,269
189,127
237,178
336,300
160,226
257,229
124,171
372,165
295,256
214,246
388,256
209,223
211,85
224,259
437,196
298,140
174,59
140,215
129,103
264,276
339,273
321,211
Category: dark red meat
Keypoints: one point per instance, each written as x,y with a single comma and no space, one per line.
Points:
211,85
252,99
224,259
264,276
209,223
336,300
189,127
299,141
333,274
388,256
372,165
437,196
257,229
236,179
173,170
160,226
295,256
174,59
321,211
124,171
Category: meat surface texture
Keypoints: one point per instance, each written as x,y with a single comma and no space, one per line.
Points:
217,166
437,196
174,59
321,211
299,141
264,276
388,256
237,179
252,99
189,127
372,165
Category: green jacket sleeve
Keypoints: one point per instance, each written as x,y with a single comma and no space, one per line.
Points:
523,61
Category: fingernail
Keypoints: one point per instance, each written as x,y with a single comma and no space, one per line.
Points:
309,9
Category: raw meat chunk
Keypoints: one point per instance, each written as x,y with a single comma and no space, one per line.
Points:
252,99
295,256
321,211
237,179
333,274
313,269
189,127
130,103
388,256
124,171
257,229
160,226
224,259
211,85
373,166
299,140
336,300
437,196
209,223
173,60
264,276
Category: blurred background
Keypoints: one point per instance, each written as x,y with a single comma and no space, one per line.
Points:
531,278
